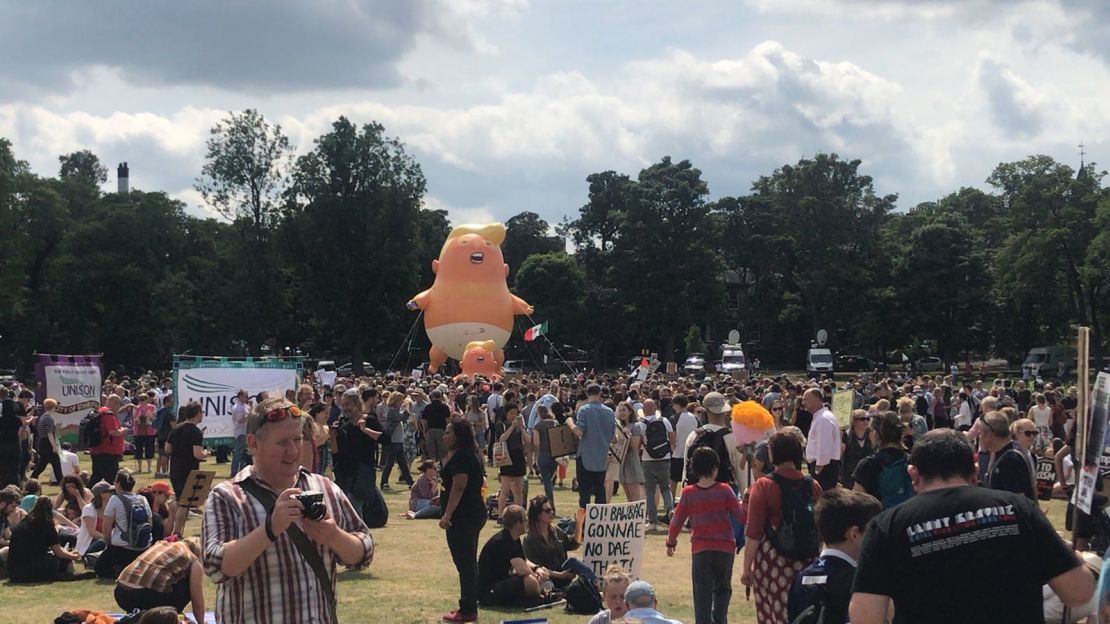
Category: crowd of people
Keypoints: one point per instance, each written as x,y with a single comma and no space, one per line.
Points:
831,522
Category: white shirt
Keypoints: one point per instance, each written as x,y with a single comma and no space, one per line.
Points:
963,416
84,538
71,463
647,420
684,426
823,445
239,413
647,615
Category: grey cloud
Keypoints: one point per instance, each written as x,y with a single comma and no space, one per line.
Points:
1009,102
249,45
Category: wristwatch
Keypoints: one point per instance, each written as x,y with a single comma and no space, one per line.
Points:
269,526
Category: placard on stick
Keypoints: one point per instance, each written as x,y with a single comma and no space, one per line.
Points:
197,487
562,441
614,534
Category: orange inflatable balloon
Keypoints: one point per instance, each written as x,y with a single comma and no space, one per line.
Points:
469,301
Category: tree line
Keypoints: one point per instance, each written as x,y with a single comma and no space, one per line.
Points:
320,252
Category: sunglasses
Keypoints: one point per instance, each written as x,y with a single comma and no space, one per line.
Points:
280,414
862,419
1029,434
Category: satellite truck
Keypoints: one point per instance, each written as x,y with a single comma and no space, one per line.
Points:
819,358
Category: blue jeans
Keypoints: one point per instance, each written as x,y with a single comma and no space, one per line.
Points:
425,509
547,466
237,454
581,569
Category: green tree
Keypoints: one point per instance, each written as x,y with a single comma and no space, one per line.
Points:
353,238
599,221
664,259
83,165
1041,266
694,343
556,286
526,234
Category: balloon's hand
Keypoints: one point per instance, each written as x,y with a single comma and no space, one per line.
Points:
412,306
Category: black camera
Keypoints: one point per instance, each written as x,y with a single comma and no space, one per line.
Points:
313,502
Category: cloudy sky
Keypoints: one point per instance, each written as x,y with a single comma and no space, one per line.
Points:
509,104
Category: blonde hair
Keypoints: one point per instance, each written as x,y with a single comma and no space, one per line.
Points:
882,405
493,232
49,404
905,405
615,574
395,400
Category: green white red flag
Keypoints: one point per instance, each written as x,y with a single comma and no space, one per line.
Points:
535,332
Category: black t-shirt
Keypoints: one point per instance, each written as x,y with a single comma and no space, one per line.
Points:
1011,473
30,543
962,554
803,419
869,468
436,414
471,507
353,447
828,582
494,564
183,438
11,414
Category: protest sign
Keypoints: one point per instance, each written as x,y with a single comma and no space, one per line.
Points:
1094,445
213,382
842,407
74,381
614,534
1046,477
562,441
618,446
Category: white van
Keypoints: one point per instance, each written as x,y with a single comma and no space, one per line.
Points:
732,359
1045,361
819,361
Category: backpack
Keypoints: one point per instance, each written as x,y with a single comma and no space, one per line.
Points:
582,597
796,538
89,433
377,516
716,441
656,442
895,485
813,614
138,532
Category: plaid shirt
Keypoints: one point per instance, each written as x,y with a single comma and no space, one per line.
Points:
159,567
279,587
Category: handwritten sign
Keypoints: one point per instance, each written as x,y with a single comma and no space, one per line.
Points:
842,407
614,535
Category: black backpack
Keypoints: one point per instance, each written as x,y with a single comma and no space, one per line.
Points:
582,597
656,442
377,516
796,538
714,439
88,433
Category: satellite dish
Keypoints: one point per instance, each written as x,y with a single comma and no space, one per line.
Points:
822,337
734,337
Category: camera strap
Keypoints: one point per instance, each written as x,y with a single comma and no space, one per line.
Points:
300,540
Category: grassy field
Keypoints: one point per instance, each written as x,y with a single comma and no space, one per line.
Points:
411,579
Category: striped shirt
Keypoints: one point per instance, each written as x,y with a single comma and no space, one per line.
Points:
158,567
708,510
279,587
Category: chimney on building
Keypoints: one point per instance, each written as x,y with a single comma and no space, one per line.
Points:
121,177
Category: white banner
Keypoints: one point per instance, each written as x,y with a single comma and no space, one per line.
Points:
76,388
614,534
215,387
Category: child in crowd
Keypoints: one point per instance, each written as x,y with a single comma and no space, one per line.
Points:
31,492
708,504
424,494
822,590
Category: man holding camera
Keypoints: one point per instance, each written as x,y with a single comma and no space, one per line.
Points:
274,534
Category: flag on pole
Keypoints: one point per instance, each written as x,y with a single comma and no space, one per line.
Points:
535,332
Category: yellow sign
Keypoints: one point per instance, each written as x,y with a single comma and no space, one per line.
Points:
842,407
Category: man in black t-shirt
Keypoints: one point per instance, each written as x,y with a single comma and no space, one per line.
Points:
434,419
955,553
185,447
505,577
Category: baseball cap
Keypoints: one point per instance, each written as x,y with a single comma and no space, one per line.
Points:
637,591
715,402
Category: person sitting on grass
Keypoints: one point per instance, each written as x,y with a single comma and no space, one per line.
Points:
505,577
120,552
168,574
424,494
826,585
613,584
708,504
36,554
545,544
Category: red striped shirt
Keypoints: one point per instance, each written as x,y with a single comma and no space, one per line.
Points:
708,510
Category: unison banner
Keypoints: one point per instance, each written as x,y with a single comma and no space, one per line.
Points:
74,381
214,382
614,534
